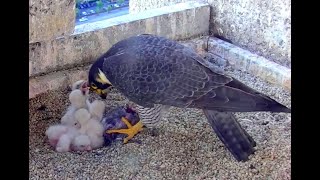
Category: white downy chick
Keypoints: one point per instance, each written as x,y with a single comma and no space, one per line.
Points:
78,100
54,132
82,116
95,130
67,118
64,142
96,109
91,127
96,141
77,84
81,143
82,85
88,125
60,136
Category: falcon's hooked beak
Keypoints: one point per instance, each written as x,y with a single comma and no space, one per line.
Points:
100,85
101,92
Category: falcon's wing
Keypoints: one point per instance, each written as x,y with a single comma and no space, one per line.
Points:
153,70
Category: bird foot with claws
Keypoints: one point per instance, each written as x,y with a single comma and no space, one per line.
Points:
131,131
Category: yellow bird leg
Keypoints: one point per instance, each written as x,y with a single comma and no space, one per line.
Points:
131,131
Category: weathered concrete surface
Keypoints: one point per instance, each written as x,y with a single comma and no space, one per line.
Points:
263,27
252,63
50,18
55,80
90,41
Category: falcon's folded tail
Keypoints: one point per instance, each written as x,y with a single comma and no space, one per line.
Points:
230,132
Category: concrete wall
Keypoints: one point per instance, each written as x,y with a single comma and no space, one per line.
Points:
91,40
49,19
53,50
262,27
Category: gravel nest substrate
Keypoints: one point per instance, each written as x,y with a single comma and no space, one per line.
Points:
186,147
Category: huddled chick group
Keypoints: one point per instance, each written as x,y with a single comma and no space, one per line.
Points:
80,128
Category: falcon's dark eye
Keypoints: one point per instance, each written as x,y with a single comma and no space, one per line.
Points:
93,86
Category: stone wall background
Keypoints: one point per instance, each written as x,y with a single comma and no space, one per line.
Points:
262,27
49,19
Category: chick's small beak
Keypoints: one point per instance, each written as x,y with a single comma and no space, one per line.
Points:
84,88
85,85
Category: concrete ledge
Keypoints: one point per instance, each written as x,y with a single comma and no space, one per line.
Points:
49,19
252,63
181,21
55,80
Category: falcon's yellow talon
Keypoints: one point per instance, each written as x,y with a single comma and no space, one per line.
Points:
131,131
121,131
126,122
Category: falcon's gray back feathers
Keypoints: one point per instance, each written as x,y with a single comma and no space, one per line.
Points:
154,70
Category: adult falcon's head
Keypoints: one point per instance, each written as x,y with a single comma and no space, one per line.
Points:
98,81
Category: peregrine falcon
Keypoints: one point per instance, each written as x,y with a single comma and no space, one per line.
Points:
156,73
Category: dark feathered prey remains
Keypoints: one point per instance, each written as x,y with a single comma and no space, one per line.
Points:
112,121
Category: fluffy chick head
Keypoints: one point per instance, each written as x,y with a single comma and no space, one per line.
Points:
78,84
97,109
82,116
77,98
